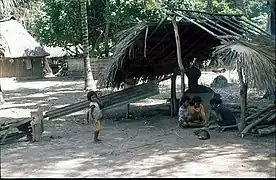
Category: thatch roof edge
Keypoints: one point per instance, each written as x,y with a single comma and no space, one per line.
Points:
17,42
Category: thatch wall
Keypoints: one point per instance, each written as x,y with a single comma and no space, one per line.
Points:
18,68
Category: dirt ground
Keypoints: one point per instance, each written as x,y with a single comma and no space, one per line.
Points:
149,144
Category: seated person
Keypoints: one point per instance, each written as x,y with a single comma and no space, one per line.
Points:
196,113
183,110
224,116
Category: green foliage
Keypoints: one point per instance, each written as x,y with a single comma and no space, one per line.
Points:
58,22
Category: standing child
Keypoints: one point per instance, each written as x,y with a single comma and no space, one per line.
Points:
183,111
95,113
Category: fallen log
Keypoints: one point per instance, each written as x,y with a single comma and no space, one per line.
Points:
254,130
256,122
253,116
269,120
267,131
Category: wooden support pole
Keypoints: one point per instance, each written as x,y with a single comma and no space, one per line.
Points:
179,59
37,125
173,95
241,124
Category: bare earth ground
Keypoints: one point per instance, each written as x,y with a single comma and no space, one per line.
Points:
149,144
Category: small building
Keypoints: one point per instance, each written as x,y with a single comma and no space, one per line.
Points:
22,56
76,66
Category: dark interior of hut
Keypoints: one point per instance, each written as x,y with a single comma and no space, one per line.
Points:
160,57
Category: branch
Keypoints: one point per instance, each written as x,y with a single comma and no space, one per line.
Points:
243,133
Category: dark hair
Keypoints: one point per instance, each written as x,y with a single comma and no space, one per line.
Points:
184,99
215,101
216,96
91,95
196,99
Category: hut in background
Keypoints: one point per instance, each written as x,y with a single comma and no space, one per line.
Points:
22,55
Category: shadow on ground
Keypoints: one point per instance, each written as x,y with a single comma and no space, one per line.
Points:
149,144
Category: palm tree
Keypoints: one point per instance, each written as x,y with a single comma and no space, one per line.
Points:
89,80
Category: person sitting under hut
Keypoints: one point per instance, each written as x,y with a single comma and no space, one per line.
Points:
223,115
183,110
196,113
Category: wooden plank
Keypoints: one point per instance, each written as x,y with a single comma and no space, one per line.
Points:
107,99
125,96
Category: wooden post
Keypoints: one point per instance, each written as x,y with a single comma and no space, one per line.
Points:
243,93
173,95
126,85
37,125
179,59
2,101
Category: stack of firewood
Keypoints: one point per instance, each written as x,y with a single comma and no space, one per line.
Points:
258,121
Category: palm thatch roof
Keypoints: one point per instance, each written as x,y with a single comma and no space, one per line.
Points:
147,51
17,42
255,56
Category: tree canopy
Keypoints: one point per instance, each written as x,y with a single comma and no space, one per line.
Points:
58,22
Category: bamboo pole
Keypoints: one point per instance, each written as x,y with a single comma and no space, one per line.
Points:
250,23
213,27
238,26
216,24
201,12
197,24
179,59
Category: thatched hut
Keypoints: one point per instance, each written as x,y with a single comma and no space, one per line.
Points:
148,51
22,54
152,51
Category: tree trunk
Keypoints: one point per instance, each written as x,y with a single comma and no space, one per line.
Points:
89,83
2,101
107,25
47,69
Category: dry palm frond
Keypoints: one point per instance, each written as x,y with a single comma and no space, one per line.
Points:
255,57
125,40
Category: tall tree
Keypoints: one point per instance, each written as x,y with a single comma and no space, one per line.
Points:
89,80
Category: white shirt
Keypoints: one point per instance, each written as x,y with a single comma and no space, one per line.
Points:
97,113
182,113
